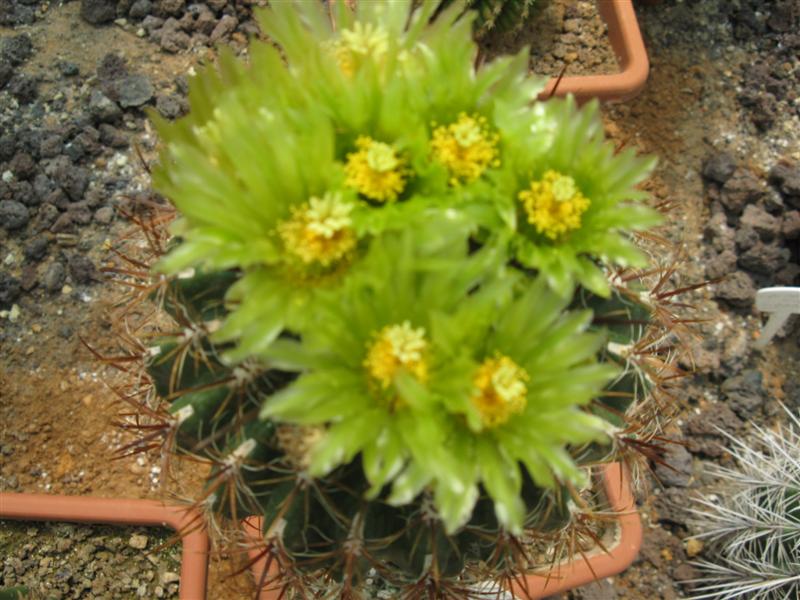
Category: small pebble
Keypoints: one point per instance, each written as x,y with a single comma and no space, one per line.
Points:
138,541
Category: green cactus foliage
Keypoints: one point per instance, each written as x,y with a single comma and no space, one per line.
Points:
497,15
411,314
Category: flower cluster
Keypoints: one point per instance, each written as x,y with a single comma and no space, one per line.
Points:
406,233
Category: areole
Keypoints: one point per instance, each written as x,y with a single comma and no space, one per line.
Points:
565,576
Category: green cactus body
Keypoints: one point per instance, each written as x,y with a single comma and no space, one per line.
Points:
498,15
402,337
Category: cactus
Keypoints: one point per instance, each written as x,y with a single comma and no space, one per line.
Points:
410,310
753,532
497,15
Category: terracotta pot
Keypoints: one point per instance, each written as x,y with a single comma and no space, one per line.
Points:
112,511
566,576
626,40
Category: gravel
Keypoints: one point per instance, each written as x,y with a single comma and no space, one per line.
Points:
69,561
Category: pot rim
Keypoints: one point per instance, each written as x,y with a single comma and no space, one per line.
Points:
123,511
628,45
564,576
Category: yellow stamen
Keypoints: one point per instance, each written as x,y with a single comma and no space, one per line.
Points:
500,390
359,43
319,231
375,170
554,205
396,347
465,147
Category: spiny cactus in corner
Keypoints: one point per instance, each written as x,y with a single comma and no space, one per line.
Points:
752,528
497,15
404,326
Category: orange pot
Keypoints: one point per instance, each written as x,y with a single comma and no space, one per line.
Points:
566,576
626,40
112,511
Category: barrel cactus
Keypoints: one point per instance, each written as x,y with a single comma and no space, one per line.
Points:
497,15
410,309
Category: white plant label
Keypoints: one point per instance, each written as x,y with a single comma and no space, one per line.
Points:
781,303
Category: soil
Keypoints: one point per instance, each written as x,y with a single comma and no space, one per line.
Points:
563,35
60,561
720,110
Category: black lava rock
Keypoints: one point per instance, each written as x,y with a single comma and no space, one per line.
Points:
17,49
86,143
111,136
112,67
765,259
172,38
46,217
764,224
24,88
103,109
13,214
43,186
720,264
82,269
676,468
786,177
151,24
134,91
36,249
73,180
22,165
29,140
8,147
9,290
68,69
224,28
54,277
703,431
719,167
140,9
743,393
51,146
737,290
24,193
6,73
170,8
16,13
790,228
169,107
97,12
741,189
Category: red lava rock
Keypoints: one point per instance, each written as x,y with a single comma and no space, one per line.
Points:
765,225
737,290
791,225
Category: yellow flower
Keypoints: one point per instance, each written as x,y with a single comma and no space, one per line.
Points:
554,205
319,231
396,347
500,390
465,147
360,42
375,170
